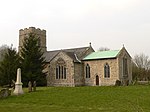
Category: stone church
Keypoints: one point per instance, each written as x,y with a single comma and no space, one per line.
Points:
82,66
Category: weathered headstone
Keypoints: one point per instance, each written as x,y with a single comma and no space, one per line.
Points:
34,86
29,86
5,93
18,85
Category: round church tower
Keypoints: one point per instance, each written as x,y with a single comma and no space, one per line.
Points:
41,34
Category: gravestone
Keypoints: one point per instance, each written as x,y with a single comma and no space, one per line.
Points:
29,86
18,85
34,86
5,93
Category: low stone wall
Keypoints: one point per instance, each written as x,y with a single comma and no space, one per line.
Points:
143,82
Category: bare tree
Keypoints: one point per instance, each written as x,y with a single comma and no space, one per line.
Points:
103,49
141,67
142,61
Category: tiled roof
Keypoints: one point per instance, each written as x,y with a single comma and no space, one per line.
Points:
75,53
50,55
102,55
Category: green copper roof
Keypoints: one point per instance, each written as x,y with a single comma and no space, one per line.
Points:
102,55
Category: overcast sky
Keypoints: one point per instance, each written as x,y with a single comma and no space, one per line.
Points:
75,23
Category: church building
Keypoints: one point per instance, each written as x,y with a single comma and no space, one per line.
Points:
82,66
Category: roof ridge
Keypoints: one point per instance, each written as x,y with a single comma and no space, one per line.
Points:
108,51
53,51
68,49
75,48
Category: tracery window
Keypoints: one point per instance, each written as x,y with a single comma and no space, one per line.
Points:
61,70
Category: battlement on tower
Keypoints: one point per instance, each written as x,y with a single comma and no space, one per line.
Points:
33,30
41,34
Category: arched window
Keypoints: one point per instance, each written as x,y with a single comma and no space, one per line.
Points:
106,71
57,72
61,69
87,71
65,72
125,67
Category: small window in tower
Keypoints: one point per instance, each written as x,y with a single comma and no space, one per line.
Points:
39,41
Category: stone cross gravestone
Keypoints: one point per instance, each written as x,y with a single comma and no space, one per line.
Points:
18,85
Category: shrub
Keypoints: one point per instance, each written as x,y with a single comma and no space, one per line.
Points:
118,83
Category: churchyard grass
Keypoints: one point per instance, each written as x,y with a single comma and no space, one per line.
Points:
80,99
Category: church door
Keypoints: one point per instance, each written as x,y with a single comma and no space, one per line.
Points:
97,80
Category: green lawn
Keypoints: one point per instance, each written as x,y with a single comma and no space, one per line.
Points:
80,99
